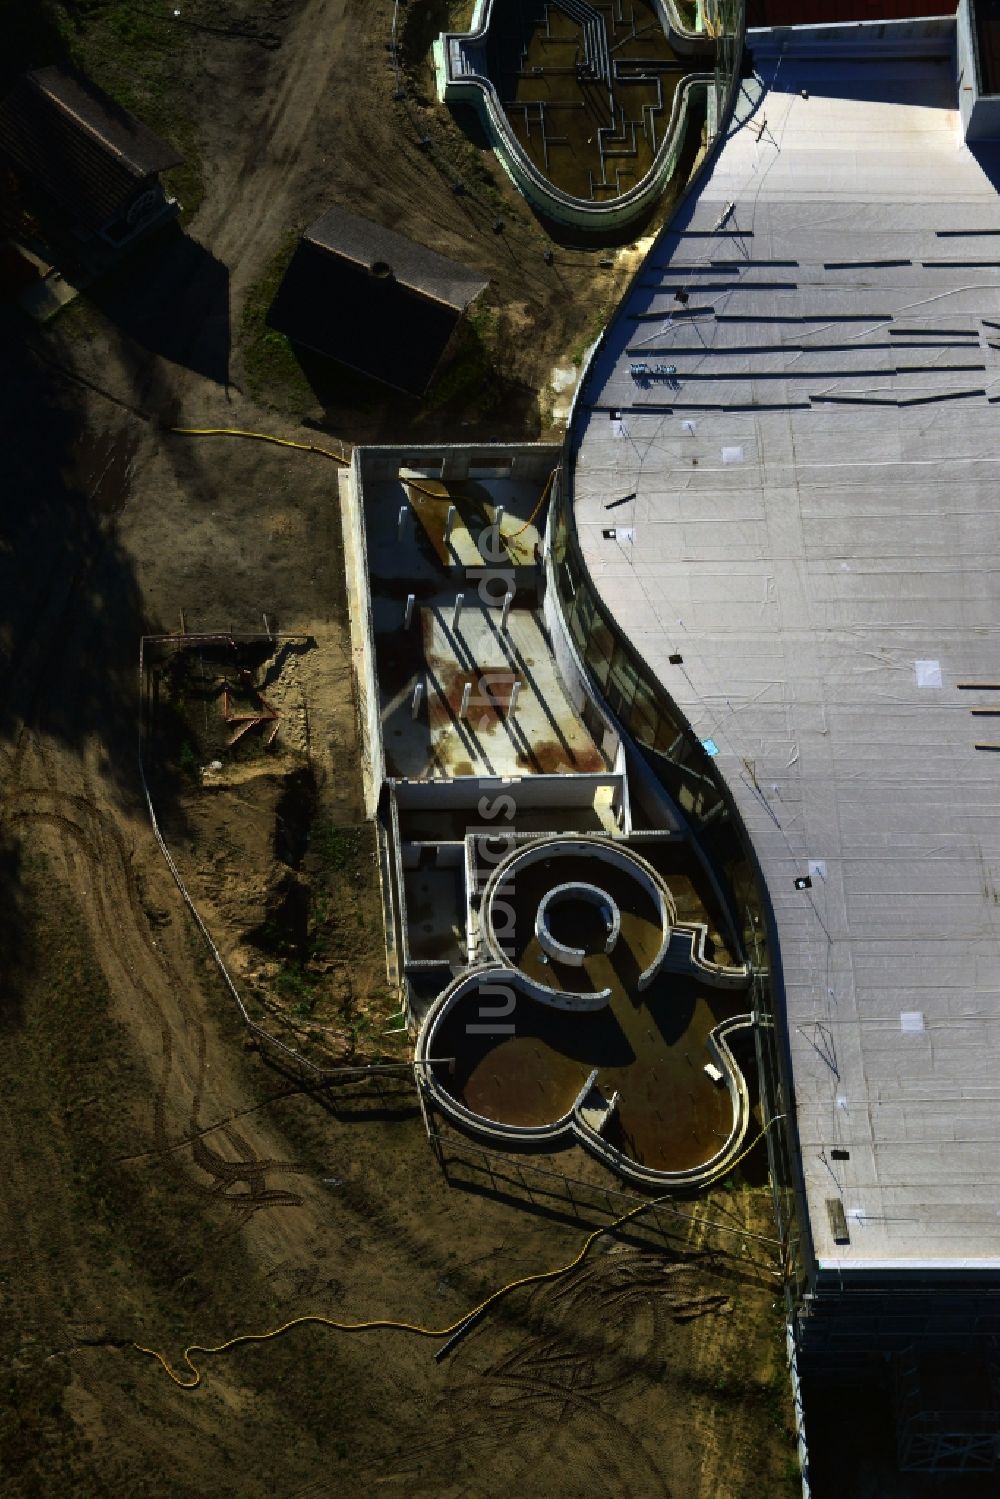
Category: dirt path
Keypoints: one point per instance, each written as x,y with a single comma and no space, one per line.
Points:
115,875
253,194
286,134
161,1181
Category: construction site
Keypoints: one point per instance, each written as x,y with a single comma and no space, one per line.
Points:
497,837
213,1127
509,816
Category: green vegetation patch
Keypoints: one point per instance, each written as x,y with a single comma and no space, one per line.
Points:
272,373
141,54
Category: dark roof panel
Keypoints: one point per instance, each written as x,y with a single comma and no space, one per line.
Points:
370,245
74,142
372,300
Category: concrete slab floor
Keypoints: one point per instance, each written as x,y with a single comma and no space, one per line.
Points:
517,719
543,733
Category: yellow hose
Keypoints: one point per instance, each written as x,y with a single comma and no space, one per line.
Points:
318,1319
309,447
282,442
545,494
286,442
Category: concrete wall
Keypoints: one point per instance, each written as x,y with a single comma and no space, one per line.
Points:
563,999
454,462
687,954
478,91
825,12
363,635
707,1171
574,1121
466,792
572,673
980,111
598,851
916,36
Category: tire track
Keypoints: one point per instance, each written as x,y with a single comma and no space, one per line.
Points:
142,965
550,1398
258,204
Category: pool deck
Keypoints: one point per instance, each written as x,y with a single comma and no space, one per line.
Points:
814,530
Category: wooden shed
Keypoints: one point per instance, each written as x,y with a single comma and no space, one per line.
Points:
80,161
373,300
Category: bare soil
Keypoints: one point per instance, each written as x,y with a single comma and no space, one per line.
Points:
162,1182
244,745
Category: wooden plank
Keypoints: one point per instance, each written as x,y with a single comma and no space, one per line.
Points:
838,1220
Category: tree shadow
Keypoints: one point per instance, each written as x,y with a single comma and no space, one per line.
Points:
31,38
171,297
70,606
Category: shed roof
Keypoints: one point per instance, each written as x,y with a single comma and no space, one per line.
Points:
372,246
77,144
372,299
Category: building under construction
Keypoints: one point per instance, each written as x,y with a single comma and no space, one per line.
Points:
801,573
734,694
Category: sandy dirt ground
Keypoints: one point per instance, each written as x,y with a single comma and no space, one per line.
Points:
162,1182
283,134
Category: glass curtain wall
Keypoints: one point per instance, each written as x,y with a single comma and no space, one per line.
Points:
661,734
671,749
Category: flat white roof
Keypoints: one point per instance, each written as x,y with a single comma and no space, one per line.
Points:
815,530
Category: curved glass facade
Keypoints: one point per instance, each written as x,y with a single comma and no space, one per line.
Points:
644,710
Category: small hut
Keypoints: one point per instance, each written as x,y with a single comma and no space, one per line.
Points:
373,300
81,162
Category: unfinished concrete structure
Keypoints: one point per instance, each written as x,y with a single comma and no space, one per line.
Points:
767,602
559,936
588,106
